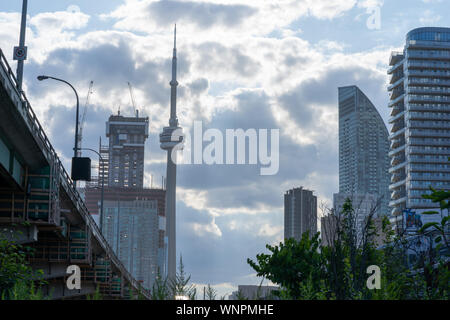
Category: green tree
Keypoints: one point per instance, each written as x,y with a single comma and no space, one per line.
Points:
160,288
18,280
180,286
211,293
292,263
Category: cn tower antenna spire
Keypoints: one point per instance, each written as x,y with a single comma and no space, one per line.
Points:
175,37
173,122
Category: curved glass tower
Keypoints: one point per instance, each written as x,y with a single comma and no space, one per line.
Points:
420,119
363,148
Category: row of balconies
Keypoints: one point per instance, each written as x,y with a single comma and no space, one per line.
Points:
395,143
427,133
428,176
427,73
429,54
397,184
428,142
421,203
398,193
428,124
396,92
396,100
397,108
399,60
418,184
397,167
396,150
397,133
414,167
428,107
400,124
428,81
427,116
427,98
397,158
428,64
398,176
396,84
397,202
430,150
427,90
397,117
396,213
396,76
428,159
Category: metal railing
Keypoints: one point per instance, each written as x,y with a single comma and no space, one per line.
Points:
49,152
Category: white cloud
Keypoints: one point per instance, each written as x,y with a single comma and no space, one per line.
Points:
213,16
430,18
231,74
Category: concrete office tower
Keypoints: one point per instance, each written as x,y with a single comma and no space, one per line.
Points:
420,119
300,213
127,137
363,148
171,138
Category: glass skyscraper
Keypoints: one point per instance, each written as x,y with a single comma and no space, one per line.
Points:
363,148
420,119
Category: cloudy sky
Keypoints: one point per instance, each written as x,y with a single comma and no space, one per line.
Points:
262,64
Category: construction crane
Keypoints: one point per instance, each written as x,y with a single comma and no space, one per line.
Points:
132,95
83,118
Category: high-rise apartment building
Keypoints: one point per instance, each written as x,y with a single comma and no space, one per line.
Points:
363,148
127,137
134,224
420,119
300,213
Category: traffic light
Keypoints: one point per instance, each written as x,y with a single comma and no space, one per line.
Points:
81,169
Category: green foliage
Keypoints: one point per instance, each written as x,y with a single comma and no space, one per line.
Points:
240,296
96,296
180,285
211,293
160,289
308,271
292,263
17,279
23,290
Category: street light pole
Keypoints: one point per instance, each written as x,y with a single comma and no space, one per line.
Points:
103,185
75,149
23,27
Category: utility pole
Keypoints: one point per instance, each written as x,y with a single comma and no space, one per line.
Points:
20,52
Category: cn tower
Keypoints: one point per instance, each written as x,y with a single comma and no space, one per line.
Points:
171,140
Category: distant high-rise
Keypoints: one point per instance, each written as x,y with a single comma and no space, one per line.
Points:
127,137
363,148
420,119
300,213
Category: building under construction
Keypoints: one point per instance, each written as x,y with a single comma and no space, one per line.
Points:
125,153
133,220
